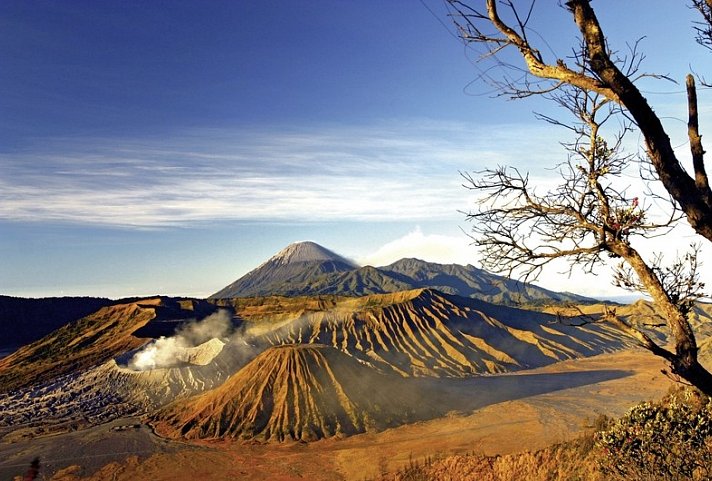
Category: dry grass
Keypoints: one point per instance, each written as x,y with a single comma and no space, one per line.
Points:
571,461
670,440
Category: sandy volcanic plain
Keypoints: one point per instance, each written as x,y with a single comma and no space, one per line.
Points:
430,413
496,414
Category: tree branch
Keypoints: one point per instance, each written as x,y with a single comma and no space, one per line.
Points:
704,28
589,217
696,204
693,133
645,341
685,342
536,65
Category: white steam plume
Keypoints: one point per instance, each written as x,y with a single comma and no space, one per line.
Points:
179,349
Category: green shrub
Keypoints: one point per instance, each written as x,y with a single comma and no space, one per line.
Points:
666,441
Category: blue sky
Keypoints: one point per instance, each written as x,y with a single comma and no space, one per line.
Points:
170,147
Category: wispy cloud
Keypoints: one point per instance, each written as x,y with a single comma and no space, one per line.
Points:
406,171
443,249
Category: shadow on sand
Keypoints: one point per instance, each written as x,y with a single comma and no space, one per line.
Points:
443,396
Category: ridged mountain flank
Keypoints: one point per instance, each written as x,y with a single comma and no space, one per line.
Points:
292,392
23,321
96,339
424,332
296,264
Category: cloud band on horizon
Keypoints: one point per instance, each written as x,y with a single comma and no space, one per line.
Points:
406,172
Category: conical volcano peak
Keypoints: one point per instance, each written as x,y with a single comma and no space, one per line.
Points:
294,392
289,270
307,251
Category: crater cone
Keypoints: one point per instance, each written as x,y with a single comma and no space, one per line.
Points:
293,392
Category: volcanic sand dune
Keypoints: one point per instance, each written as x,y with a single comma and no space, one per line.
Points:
65,380
340,379
426,333
298,392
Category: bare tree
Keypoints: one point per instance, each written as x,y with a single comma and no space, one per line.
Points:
604,73
589,218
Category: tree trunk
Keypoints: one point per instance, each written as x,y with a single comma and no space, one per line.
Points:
683,361
693,372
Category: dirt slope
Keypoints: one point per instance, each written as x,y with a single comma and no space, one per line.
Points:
93,340
293,392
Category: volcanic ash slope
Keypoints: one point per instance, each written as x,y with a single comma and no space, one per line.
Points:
294,392
77,346
110,390
424,332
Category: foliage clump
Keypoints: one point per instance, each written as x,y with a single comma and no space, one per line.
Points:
667,440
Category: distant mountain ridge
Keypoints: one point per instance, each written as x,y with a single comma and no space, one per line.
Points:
25,320
308,269
469,281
